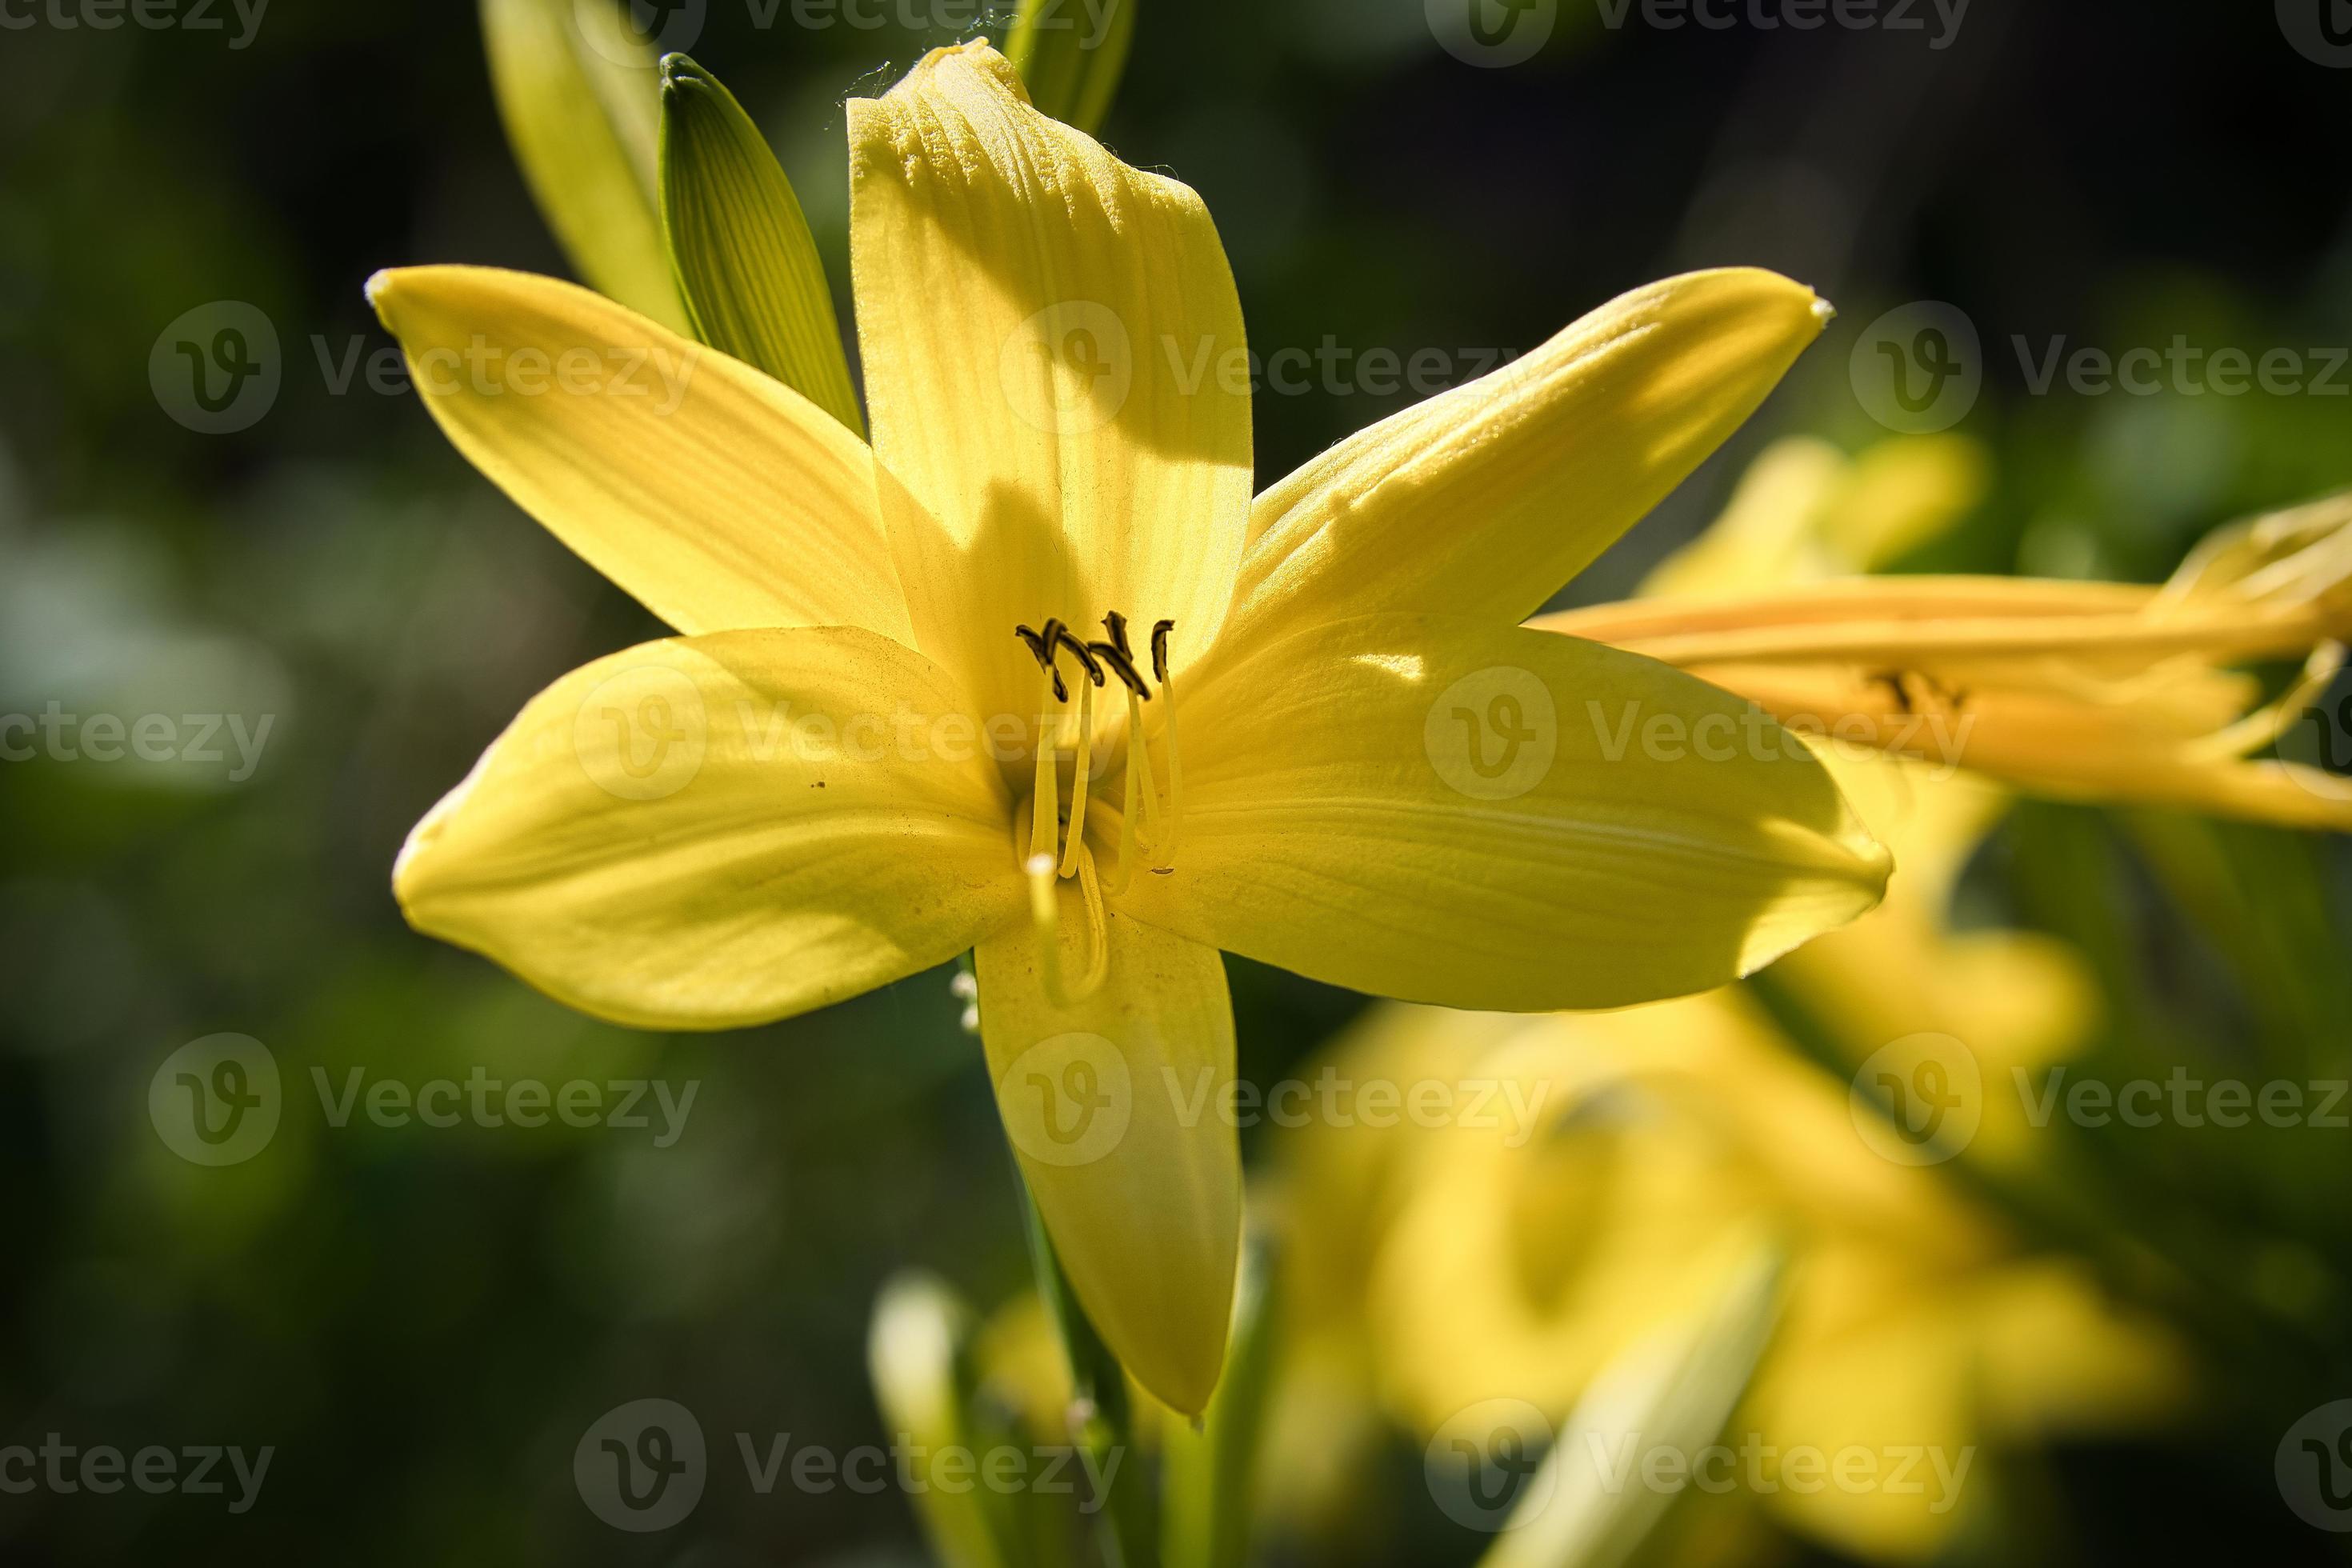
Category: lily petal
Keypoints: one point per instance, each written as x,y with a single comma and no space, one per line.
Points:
1048,339
718,497
1442,810
714,832
1484,500
1114,1106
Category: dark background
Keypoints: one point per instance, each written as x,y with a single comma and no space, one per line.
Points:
422,1322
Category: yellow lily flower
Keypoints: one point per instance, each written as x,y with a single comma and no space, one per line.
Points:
884,740
2092,691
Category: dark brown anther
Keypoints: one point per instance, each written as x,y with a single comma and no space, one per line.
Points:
1063,638
1041,647
1115,625
1122,665
1159,630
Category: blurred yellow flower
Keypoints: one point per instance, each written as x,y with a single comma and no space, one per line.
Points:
2094,691
864,757
1439,1266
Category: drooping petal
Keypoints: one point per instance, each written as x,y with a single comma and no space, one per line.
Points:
1484,500
713,832
1445,811
1116,1107
1051,342
717,498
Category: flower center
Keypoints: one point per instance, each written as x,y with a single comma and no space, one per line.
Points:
1148,825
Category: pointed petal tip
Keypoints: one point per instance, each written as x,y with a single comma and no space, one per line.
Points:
1824,311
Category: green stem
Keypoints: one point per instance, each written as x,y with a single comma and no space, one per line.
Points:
1102,1417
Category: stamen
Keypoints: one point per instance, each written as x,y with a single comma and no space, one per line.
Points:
1165,857
1136,763
1041,649
1122,664
1159,630
1061,637
1045,800
1078,832
1045,918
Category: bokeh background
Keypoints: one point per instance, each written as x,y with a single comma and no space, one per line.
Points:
423,1321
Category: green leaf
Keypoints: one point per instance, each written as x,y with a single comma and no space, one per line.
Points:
577,90
1673,1390
747,266
1071,56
